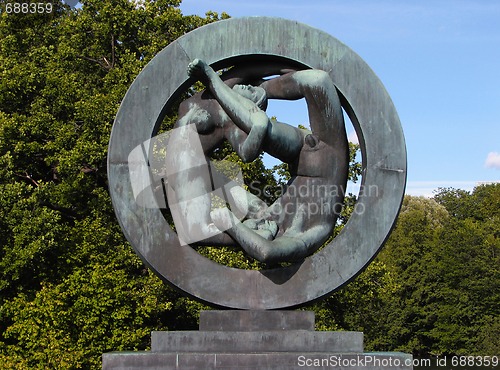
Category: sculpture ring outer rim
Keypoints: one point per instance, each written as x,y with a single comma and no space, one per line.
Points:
371,111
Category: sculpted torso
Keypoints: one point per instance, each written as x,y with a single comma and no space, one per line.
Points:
303,217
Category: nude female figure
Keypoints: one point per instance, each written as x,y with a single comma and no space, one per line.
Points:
202,126
318,162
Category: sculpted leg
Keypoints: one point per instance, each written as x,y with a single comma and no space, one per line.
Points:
325,111
256,243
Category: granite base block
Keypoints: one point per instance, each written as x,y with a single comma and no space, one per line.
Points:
256,320
257,340
256,361
251,342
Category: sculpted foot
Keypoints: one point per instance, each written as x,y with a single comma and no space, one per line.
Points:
266,229
272,227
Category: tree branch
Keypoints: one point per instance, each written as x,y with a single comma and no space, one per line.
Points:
113,50
64,211
28,177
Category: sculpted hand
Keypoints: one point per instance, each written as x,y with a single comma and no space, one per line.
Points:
198,68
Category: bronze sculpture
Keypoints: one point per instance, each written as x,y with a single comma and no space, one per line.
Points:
284,45
296,224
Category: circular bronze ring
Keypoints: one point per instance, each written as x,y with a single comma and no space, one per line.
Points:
366,102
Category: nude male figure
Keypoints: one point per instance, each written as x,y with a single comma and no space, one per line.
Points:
317,160
202,126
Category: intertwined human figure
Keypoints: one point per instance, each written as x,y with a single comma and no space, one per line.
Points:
303,217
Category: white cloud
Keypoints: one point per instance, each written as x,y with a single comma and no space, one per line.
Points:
493,160
352,137
428,188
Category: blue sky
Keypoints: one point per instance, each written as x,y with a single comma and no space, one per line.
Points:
439,61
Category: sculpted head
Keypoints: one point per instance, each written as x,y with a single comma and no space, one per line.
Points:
254,93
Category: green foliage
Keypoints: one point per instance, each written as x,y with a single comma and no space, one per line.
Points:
355,167
71,287
434,288
97,308
353,306
258,179
444,255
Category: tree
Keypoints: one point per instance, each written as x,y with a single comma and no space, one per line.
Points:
66,73
470,260
444,258
71,287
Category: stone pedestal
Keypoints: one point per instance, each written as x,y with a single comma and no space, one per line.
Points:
256,340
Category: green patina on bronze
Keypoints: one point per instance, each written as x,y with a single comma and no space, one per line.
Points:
363,97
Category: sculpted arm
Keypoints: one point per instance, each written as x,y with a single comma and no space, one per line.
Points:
289,247
243,112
